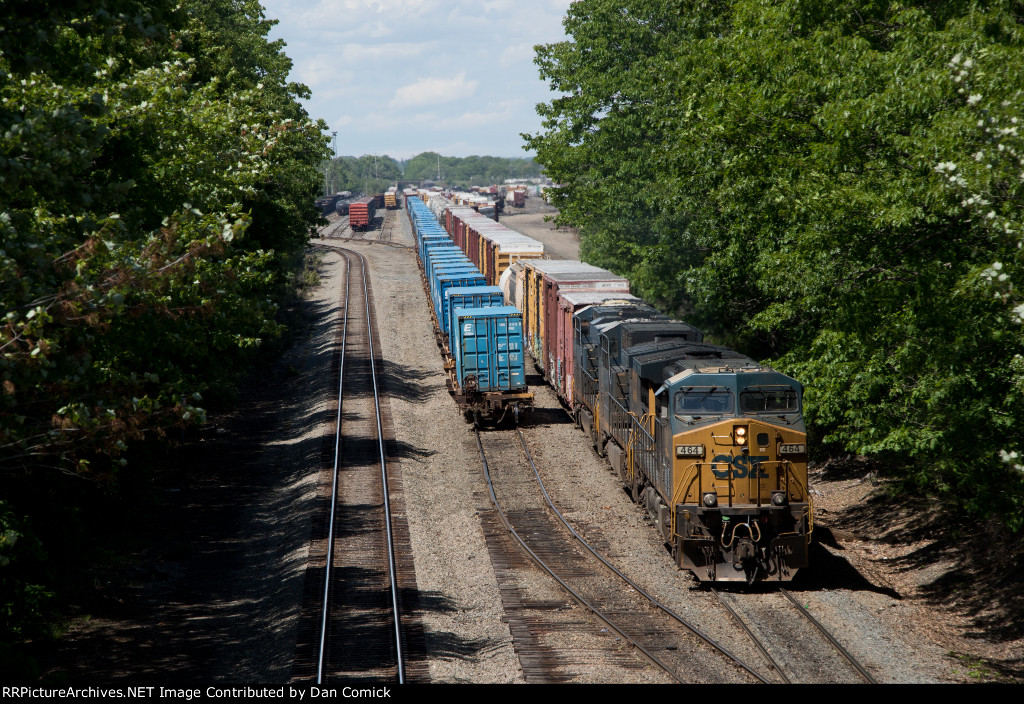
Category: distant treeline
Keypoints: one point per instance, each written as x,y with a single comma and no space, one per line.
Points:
372,174
364,174
470,170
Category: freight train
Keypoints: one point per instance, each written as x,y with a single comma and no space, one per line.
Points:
481,338
709,441
328,204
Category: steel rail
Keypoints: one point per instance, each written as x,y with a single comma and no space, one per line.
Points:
824,631
392,570
640,590
580,599
321,650
332,227
754,639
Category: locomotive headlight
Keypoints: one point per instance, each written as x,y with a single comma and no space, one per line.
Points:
689,450
779,498
710,499
792,449
741,434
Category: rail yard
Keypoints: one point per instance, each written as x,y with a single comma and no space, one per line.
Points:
476,607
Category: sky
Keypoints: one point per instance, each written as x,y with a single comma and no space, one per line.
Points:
401,77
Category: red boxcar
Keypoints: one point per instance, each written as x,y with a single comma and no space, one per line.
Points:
361,213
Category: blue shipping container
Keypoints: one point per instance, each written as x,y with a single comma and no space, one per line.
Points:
488,346
471,297
442,282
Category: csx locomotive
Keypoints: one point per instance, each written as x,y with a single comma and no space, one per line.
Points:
712,443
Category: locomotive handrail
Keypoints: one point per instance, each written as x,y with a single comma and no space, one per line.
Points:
673,533
686,482
634,438
619,420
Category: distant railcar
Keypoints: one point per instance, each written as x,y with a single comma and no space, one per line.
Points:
361,213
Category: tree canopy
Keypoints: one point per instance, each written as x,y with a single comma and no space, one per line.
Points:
365,174
835,185
470,170
157,176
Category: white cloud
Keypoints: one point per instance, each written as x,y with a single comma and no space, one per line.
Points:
471,119
405,76
516,54
434,91
354,54
319,70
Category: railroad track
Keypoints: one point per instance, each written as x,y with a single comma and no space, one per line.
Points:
658,643
387,226
336,228
660,636
356,625
828,665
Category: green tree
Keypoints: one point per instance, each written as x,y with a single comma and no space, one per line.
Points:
470,171
832,184
156,177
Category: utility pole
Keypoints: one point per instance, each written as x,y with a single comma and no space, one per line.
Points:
334,149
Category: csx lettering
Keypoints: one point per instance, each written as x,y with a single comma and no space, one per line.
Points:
741,466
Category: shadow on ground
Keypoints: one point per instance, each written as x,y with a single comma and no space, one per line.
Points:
973,568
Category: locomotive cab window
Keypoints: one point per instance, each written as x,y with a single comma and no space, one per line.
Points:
769,399
703,400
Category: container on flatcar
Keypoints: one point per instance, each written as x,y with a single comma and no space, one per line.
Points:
443,282
470,297
446,261
532,294
544,280
488,347
485,375
558,282
499,248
